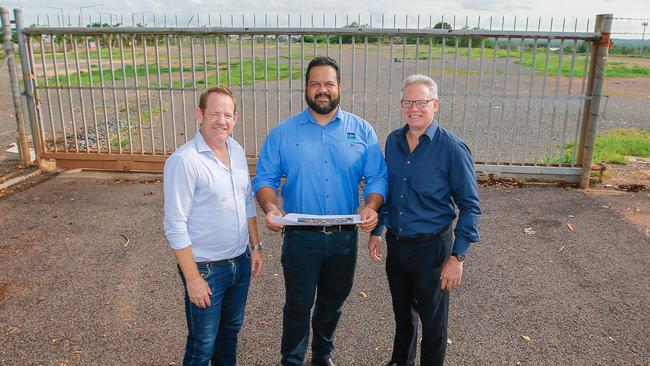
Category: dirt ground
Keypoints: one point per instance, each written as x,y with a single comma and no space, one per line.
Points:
559,278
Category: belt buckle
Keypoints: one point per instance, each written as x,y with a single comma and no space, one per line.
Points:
328,229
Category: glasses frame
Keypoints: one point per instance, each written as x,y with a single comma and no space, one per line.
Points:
421,103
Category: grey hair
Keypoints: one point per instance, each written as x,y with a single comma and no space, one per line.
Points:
420,79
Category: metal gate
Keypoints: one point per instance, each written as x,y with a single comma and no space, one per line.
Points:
525,101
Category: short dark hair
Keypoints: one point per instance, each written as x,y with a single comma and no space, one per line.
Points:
323,61
203,99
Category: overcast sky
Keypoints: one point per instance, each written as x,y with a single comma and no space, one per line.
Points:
558,9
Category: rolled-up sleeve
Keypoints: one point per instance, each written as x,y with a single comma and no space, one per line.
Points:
178,188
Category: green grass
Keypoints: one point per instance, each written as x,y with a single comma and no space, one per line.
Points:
613,146
130,72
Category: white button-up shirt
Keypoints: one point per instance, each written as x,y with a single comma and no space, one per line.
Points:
206,206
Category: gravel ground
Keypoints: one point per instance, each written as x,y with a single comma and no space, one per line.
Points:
74,292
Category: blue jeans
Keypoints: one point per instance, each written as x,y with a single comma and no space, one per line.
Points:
212,332
315,265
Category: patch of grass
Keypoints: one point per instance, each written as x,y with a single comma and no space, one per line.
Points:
613,69
84,77
613,146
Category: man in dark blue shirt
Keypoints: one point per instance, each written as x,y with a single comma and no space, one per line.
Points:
430,174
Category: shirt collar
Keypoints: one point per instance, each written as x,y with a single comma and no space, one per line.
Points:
202,146
430,131
307,117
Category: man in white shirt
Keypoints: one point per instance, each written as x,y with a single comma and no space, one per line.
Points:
210,219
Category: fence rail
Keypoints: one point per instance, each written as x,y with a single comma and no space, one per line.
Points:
124,97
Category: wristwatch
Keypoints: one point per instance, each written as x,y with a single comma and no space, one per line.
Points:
460,257
257,246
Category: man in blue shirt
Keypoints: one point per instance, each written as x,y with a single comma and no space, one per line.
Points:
210,220
324,153
430,174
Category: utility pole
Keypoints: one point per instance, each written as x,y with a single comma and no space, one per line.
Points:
644,24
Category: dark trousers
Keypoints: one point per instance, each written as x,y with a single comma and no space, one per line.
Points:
320,266
414,270
212,331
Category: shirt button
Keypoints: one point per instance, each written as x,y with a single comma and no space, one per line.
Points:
327,196
325,161
404,179
327,179
400,229
401,213
408,162
401,196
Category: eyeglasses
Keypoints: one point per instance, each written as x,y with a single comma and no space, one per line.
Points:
405,103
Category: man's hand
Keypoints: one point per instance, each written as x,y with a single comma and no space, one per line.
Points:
268,221
452,273
374,248
199,292
257,262
369,219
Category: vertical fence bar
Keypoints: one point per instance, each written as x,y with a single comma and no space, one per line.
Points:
454,82
58,94
501,129
255,130
137,94
241,90
82,103
181,66
568,101
126,97
70,101
171,89
15,88
516,101
594,89
118,126
148,86
542,102
103,92
163,134
555,99
27,66
47,93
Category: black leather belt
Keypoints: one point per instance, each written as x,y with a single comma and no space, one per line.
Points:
419,237
327,229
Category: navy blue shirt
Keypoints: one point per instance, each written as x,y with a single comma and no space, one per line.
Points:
425,187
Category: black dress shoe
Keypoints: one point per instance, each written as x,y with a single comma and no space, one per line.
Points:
325,362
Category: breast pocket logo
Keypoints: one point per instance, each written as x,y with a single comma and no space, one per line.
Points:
351,136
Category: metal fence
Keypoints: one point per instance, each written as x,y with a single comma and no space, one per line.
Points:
524,100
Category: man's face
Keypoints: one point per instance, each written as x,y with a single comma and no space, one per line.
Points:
216,123
323,92
419,118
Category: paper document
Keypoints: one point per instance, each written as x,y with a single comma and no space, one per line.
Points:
316,220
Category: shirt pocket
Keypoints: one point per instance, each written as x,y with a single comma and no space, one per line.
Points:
352,154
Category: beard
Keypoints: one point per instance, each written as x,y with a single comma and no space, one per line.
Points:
319,108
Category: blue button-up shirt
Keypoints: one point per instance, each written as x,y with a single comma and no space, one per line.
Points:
206,205
426,185
323,165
